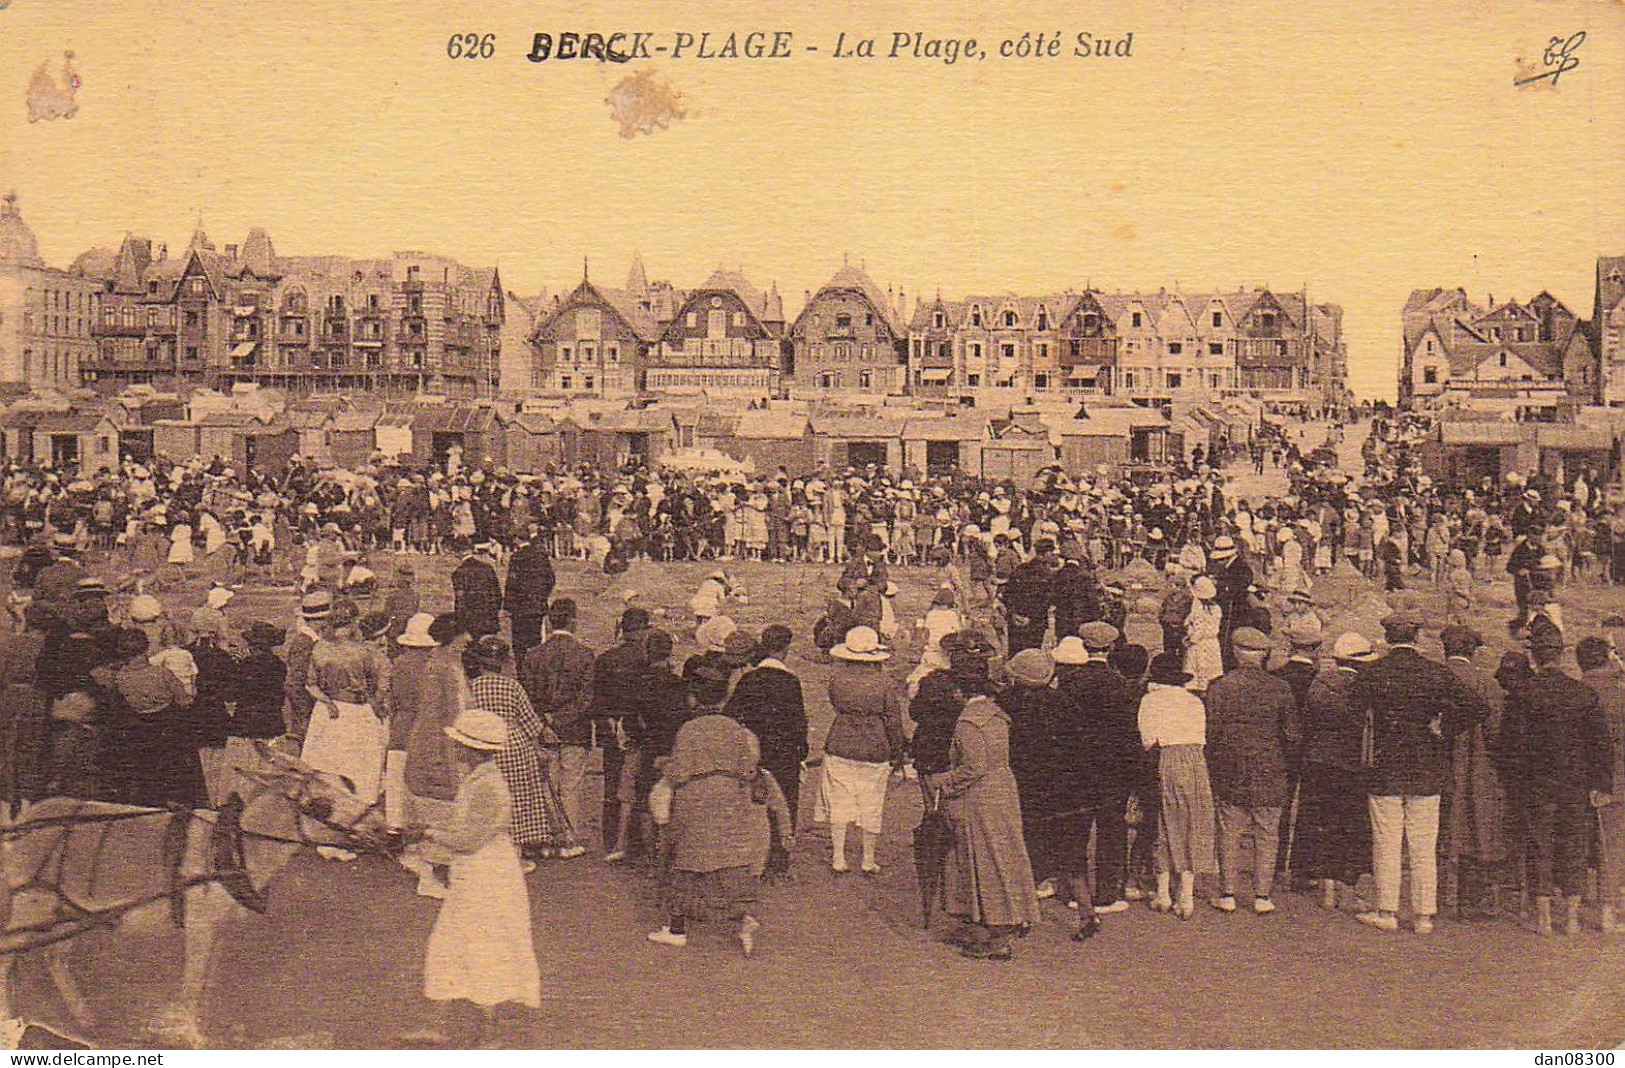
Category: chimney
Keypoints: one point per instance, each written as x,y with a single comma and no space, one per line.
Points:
163,252
231,252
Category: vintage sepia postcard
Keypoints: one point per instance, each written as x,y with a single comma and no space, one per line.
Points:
895,525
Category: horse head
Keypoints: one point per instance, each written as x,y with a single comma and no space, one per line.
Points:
320,798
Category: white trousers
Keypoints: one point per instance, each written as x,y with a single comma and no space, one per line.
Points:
1398,823
568,766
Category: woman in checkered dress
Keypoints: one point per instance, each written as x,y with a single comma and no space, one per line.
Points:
540,828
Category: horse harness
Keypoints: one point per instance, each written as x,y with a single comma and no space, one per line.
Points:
225,860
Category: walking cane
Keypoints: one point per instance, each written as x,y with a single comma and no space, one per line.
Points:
1291,832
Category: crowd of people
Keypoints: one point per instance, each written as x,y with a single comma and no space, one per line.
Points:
1252,745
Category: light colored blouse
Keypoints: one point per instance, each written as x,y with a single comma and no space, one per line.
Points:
1172,715
349,670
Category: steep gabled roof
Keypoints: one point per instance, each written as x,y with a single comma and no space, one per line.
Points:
953,311
1419,299
134,259
855,279
621,303
532,423
257,254
736,282
1543,358
759,306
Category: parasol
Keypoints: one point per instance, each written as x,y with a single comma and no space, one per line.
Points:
933,838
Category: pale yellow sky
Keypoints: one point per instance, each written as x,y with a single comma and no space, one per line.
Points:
1361,149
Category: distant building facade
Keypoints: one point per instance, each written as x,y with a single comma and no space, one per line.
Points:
1149,347
46,315
412,322
850,336
1608,330
595,340
1527,361
725,337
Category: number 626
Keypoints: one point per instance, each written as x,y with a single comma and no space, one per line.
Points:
471,46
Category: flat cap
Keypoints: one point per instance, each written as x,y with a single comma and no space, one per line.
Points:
1305,630
1250,638
1098,634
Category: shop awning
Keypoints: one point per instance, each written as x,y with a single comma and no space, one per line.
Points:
368,344
935,374
242,349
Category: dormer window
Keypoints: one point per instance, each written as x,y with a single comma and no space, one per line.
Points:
843,322
976,317
1043,320
1268,319
1218,319
1009,318
1135,320
938,321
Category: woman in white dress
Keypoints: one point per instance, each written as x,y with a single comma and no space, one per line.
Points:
181,555
348,736
1204,659
756,526
481,949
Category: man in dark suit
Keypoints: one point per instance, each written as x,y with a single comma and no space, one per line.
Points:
1028,595
1299,672
477,593
1251,722
1109,728
1233,577
530,584
767,701
1559,746
1471,821
1415,705
1077,596
617,679
558,677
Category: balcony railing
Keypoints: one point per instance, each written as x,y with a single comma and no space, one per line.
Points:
1087,350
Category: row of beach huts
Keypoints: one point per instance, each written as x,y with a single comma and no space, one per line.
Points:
260,429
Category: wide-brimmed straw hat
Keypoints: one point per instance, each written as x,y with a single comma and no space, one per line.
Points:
478,728
318,605
1353,646
1070,651
712,635
863,645
416,634
145,608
